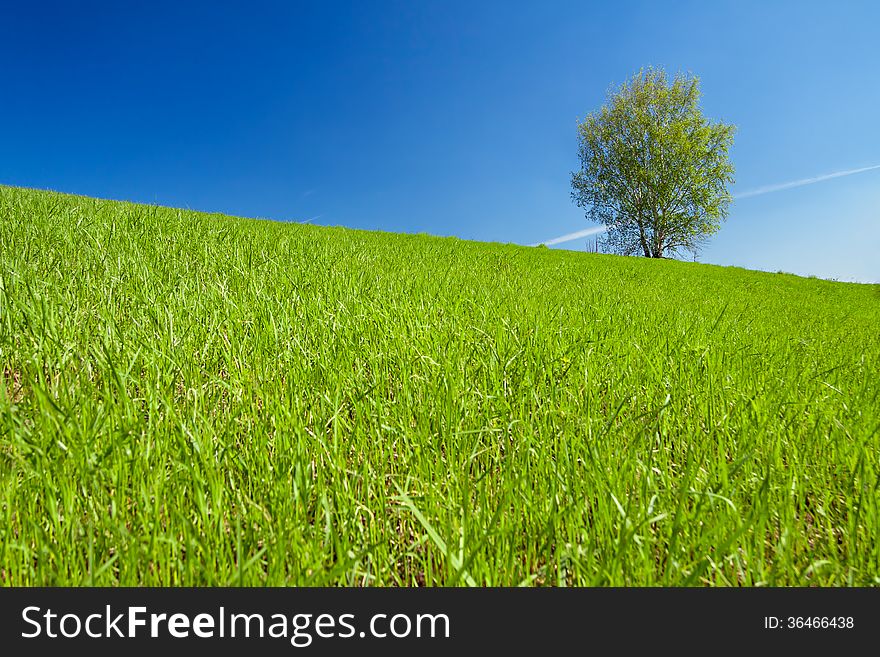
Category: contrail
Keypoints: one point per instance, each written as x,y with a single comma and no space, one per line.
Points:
572,236
804,181
769,189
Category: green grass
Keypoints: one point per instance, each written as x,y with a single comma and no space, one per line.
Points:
198,399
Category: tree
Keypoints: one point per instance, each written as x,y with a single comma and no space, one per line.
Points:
654,170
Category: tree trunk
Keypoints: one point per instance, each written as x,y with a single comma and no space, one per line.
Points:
644,240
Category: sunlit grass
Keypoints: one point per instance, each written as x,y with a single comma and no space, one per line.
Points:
199,399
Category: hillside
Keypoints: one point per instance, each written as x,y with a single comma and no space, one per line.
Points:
191,398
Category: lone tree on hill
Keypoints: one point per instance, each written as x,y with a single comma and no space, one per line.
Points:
654,170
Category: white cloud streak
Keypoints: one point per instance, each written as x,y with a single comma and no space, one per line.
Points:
572,236
768,189
803,181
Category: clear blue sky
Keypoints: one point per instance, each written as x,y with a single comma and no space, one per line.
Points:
442,117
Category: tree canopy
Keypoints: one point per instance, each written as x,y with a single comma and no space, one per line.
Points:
654,169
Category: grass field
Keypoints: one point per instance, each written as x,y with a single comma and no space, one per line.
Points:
199,399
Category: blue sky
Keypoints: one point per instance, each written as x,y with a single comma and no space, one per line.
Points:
452,118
